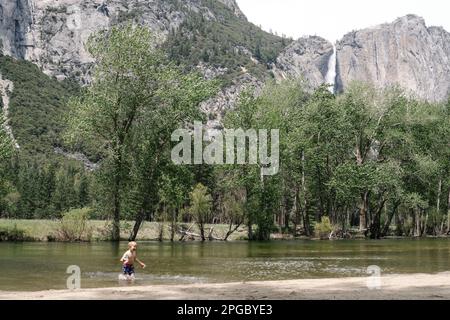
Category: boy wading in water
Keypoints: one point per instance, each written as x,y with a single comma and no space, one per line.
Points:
128,260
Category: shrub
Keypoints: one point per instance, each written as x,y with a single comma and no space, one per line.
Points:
74,226
104,232
12,234
323,228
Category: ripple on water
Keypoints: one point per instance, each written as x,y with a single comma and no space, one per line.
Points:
153,278
286,268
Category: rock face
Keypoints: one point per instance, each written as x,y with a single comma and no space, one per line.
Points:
232,4
405,52
6,88
15,24
53,34
226,99
306,58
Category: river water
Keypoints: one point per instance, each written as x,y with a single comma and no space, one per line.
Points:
41,266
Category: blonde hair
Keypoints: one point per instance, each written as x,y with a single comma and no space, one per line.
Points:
131,243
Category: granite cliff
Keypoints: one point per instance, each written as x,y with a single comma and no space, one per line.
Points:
52,34
405,52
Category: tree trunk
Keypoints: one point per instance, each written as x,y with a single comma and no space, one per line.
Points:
202,231
387,224
137,225
184,233
375,227
417,223
161,231
231,231
116,192
250,231
398,225
305,216
423,230
438,200
448,211
116,219
346,221
173,224
363,211
321,212
295,210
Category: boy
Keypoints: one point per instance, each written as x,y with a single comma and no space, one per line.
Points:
129,258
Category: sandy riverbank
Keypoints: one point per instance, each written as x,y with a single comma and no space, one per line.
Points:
411,286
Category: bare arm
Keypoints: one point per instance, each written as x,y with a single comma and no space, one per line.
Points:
141,263
124,258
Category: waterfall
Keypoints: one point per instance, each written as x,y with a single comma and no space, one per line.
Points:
330,78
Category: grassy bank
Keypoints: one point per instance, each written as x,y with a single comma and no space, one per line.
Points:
47,230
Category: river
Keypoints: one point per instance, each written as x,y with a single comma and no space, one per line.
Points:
41,266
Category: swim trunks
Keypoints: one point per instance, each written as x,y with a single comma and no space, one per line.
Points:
128,269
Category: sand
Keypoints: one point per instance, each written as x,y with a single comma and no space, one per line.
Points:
391,287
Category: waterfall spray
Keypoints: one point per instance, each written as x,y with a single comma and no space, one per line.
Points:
330,78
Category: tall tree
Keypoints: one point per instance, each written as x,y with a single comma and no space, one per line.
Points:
126,74
133,88
200,209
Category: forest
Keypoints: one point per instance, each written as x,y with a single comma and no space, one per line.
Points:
370,162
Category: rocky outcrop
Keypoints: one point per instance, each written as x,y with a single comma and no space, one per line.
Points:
6,88
305,58
227,98
53,34
405,52
15,24
232,4
88,165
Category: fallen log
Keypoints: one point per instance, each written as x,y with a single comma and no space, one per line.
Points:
187,233
184,233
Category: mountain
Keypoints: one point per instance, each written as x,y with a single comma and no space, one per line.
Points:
53,34
405,52
211,36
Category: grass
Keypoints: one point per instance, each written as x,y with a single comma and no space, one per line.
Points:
45,230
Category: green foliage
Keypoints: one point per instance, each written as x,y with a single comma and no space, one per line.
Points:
228,41
6,150
129,113
43,191
74,226
323,228
367,157
5,142
37,106
28,178
201,202
12,234
201,205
